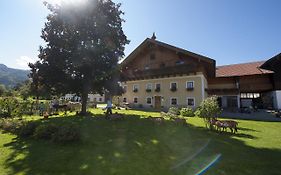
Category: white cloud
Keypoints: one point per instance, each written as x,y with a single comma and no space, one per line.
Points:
23,61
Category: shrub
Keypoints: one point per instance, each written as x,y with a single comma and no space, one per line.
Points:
12,107
67,133
174,111
209,108
187,112
45,131
28,129
11,126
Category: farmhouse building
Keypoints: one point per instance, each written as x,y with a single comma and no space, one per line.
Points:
159,75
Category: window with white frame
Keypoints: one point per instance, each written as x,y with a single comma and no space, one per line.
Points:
157,87
189,84
190,101
148,86
135,88
149,100
174,101
173,86
135,99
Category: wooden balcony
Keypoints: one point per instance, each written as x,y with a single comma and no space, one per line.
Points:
233,91
156,73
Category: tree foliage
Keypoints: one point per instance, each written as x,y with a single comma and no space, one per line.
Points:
209,108
12,107
83,46
3,90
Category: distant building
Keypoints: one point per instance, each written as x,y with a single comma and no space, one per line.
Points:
91,98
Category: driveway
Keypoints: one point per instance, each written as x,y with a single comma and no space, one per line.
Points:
262,115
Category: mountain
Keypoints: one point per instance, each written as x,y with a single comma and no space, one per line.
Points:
10,77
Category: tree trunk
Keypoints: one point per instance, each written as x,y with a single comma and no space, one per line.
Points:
85,98
84,102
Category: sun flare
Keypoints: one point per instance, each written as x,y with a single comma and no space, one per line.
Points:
66,1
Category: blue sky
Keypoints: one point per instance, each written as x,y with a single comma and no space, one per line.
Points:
229,31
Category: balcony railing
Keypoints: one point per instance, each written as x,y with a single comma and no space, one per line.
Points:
175,70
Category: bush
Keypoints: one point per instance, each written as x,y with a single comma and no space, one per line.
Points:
28,129
67,133
12,107
45,131
187,112
174,111
11,126
209,108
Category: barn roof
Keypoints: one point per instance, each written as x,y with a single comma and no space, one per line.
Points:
252,68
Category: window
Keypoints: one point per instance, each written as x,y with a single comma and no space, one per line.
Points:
256,95
190,101
149,100
152,57
148,87
243,95
100,99
157,87
135,99
174,101
146,67
190,85
173,86
135,88
250,95
125,100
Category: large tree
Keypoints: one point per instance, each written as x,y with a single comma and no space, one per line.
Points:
84,43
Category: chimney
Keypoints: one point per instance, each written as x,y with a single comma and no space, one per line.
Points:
153,36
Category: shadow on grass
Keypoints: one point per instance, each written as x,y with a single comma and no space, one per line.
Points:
139,146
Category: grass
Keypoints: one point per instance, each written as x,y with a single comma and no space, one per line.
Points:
137,146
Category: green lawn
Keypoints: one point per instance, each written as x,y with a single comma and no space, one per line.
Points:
136,146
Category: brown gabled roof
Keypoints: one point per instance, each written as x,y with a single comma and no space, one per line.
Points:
168,46
252,68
